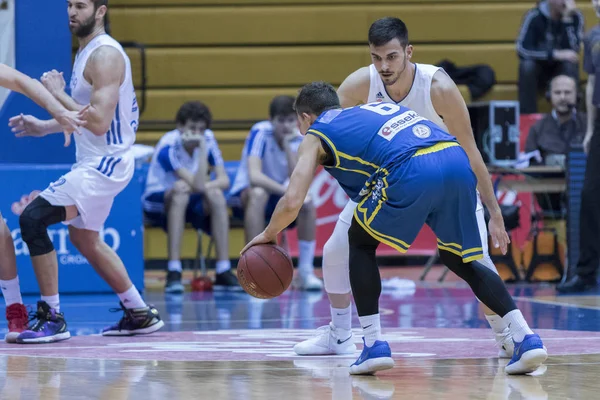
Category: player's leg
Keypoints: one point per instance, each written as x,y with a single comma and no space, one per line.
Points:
176,202
16,313
336,337
502,336
455,225
307,227
216,208
254,202
366,289
34,221
139,318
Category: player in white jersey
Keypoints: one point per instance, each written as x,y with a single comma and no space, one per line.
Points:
179,190
83,197
268,159
429,91
16,313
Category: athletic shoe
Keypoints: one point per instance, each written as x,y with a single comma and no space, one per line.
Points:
372,359
505,344
174,284
528,356
18,319
135,321
327,341
50,326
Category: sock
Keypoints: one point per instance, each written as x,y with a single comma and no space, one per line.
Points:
306,257
371,325
174,265
342,318
517,325
11,291
53,301
222,266
131,298
496,322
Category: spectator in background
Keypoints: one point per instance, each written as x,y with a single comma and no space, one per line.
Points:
586,271
552,136
548,45
179,190
268,159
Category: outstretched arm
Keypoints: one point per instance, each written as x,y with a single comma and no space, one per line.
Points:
290,204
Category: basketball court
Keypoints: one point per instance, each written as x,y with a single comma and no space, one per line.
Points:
232,346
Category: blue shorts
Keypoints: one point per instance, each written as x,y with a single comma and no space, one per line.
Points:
194,214
435,187
237,209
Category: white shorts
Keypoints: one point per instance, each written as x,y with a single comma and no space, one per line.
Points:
348,212
92,186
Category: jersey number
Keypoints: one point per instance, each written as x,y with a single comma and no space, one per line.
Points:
381,108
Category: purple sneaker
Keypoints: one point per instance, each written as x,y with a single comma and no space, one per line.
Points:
135,321
50,326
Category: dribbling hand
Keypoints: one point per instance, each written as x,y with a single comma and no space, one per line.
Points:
262,238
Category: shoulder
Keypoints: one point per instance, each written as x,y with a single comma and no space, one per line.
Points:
355,86
263,127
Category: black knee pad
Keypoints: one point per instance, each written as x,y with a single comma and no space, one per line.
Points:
34,222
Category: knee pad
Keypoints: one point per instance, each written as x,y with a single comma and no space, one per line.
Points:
34,222
336,252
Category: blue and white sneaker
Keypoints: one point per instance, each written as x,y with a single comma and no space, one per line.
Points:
49,327
372,359
528,356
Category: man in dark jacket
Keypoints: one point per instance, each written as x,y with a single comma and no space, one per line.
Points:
548,45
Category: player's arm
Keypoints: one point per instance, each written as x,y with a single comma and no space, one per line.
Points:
355,88
591,111
215,160
450,105
105,70
259,179
288,207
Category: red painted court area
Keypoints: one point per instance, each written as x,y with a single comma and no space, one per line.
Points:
276,344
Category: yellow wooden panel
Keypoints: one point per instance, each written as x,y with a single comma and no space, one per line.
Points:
326,24
121,3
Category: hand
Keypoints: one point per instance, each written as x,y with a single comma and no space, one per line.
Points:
27,125
262,238
586,142
498,232
53,81
182,186
566,55
569,9
71,121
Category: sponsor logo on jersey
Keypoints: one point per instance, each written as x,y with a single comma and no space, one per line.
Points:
421,131
379,96
398,123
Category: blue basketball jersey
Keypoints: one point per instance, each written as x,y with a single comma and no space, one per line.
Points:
373,137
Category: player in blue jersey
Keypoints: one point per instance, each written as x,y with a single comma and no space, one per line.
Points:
403,171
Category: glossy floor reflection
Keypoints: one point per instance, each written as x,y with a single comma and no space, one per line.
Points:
438,353
567,377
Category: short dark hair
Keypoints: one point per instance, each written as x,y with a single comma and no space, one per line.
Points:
387,29
194,111
99,3
316,97
281,106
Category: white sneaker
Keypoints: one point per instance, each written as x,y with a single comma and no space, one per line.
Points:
505,344
307,282
326,342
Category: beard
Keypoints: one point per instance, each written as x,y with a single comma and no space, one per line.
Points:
389,81
85,28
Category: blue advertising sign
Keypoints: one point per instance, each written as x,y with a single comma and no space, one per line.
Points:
123,231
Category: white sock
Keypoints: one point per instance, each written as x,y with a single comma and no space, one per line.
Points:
174,265
306,256
222,266
131,298
53,301
371,325
517,325
496,322
11,291
342,318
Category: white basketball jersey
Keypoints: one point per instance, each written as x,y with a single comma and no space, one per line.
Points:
121,134
417,99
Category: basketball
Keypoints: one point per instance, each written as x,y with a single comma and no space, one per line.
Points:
265,271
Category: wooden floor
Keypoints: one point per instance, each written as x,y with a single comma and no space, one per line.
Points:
565,377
